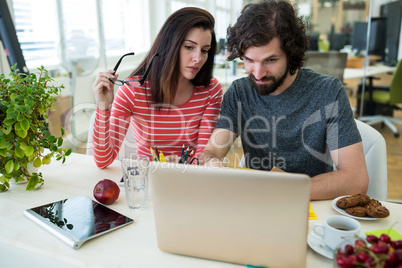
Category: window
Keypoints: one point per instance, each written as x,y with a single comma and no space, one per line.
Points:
125,26
66,31
79,44
37,31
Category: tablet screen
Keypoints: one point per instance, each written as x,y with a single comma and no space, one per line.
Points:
77,219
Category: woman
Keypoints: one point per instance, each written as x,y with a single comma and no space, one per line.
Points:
177,105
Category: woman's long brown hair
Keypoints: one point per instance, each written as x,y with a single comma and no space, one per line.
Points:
164,73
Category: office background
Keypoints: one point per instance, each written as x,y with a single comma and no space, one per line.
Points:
76,39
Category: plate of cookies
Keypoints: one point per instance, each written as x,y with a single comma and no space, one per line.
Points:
360,206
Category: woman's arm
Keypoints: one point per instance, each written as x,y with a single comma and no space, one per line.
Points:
210,117
111,120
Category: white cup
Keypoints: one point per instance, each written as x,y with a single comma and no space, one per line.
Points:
336,229
135,176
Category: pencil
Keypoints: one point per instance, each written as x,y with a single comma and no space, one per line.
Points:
157,153
161,157
182,151
191,156
153,154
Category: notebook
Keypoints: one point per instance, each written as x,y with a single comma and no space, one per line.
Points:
240,216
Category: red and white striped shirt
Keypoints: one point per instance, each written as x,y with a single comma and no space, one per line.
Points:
168,128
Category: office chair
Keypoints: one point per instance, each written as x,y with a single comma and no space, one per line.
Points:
331,63
127,147
387,98
375,154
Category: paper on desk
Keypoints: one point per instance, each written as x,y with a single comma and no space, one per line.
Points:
392,233
311,214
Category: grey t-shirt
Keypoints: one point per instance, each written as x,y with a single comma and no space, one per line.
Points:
294,130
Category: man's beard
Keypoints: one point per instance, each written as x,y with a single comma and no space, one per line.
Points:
267,89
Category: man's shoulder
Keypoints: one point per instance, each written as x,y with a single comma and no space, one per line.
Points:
311,75
314,80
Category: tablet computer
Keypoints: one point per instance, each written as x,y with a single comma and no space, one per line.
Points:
77,219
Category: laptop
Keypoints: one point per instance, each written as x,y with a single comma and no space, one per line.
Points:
240,216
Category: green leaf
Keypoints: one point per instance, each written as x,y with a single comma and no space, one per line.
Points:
16,166
40,109
53,148
3,179
7,130
21,133
33,181
13,96
20,117
60,142
17,126
23,146
46,160
68,152
62,132
25,124
2,188
5,145
9,166
8,122
31,157
37,162
22,109
19,152
3,153
29,150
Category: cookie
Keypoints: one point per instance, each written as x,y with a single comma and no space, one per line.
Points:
378,211
353,200
373,203
357,211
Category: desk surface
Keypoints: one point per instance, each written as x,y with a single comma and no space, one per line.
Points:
351,73
25,244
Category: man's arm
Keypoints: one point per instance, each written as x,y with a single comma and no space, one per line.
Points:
217,147
350,178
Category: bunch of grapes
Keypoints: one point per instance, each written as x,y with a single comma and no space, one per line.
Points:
371,252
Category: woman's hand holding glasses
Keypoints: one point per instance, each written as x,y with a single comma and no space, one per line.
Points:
103,89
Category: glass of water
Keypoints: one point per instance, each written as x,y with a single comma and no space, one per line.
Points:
135,175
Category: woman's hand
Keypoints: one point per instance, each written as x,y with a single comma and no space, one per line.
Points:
103,89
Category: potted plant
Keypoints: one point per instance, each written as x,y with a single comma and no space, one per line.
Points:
24,137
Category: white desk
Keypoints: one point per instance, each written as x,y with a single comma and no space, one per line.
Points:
352,73
25,244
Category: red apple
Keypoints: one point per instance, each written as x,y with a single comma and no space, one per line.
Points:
106,191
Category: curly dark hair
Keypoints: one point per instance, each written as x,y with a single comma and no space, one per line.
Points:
259,23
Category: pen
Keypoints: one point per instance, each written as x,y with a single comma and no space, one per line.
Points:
153,154
157,153
187,151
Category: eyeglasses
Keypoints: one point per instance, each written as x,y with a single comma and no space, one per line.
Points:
132,82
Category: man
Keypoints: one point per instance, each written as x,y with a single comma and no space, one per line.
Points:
287,116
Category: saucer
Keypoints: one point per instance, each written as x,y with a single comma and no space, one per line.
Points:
317,244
